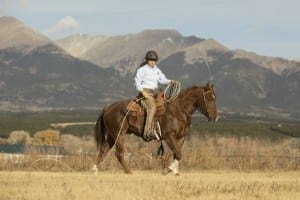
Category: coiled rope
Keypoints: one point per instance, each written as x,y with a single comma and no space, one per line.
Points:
172,91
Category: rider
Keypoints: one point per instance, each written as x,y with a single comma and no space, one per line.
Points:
146,81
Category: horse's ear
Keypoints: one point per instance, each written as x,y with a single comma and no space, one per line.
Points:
209,85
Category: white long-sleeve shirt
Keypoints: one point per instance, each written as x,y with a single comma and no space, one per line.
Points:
148,78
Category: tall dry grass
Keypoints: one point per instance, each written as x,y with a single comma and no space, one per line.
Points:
199,152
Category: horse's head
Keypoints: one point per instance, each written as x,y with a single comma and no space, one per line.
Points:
207,103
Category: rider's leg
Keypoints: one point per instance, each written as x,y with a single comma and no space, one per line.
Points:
149,104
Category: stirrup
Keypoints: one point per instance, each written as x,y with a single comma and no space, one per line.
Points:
155,133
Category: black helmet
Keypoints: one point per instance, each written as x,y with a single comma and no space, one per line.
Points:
151,55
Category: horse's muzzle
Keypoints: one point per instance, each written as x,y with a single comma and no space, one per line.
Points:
213,120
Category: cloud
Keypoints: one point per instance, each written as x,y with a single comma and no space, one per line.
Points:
64,26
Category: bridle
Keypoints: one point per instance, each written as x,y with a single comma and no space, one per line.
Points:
205,103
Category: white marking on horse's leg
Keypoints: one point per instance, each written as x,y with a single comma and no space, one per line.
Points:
174,166
95,169
217,118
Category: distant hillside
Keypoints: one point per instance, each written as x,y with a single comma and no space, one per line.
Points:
48,78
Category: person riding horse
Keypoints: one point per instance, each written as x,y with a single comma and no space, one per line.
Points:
146,82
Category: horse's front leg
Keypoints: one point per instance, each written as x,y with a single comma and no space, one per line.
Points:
176,149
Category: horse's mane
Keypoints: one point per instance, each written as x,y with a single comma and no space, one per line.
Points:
189,91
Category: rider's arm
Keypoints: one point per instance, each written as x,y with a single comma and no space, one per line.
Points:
139,80
162,78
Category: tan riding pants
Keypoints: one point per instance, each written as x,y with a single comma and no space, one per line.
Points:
149,105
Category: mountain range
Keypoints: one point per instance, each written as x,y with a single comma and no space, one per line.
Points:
86,72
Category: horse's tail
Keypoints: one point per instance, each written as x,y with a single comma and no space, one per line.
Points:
100,130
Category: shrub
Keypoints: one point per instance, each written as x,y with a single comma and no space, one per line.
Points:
47,137
19,137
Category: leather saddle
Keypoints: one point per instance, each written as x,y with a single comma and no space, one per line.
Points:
136,109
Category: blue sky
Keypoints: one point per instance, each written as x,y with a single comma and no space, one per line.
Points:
268,27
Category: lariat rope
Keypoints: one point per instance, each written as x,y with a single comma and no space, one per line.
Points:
172,91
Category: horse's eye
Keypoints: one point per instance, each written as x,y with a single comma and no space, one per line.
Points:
208,97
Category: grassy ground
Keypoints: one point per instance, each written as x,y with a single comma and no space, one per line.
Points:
150,185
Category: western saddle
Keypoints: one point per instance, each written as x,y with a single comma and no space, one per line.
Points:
136,109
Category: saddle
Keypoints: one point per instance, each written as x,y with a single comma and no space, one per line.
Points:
136,109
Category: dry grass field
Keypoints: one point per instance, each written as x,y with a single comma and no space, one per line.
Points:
211,168
219,184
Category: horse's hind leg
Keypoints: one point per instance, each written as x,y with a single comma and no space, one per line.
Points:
105,147
120,153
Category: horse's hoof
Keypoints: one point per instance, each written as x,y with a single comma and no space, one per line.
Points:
177,174
166,171
128,172
95,169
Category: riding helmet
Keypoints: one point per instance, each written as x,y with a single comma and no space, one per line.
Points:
151,55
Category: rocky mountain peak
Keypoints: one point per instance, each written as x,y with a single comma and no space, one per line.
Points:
14,33
276,64
205,49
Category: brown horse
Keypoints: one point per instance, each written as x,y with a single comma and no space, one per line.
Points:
113,123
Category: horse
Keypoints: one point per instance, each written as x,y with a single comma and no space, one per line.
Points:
113,123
